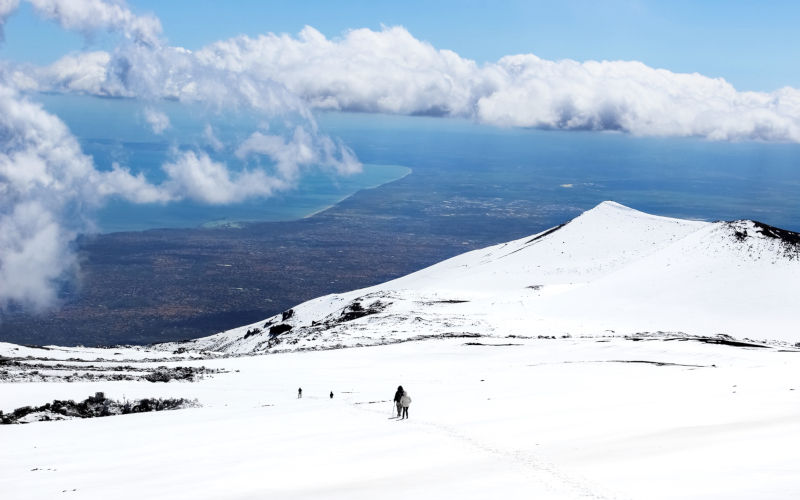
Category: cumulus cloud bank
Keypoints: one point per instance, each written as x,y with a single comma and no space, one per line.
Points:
390,71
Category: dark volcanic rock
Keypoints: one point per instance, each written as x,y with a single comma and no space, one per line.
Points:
250,333
355,310
93,406
164,374
789,238
278,329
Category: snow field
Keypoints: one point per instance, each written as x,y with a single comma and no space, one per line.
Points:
564,418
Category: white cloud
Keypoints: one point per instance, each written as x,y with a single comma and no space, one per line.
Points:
85,73
158,120
384,71
390,71
211,138
302,149
34,255
46,185
88,16
634,98
196,176
134,188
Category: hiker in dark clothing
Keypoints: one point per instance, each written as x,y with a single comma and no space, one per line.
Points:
299,393
397,396
331,394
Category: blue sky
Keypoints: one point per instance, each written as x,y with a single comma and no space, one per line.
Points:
754,45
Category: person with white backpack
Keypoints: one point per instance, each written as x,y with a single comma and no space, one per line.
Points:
405,401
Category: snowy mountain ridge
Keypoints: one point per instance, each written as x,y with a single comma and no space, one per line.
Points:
593,413
610,271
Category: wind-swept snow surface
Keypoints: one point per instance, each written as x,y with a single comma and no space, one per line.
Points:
611,271
528,418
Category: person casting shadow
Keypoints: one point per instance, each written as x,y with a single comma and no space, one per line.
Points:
397,396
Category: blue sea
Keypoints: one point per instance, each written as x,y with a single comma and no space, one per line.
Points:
680,177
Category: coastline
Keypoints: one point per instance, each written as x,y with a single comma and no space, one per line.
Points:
409,171
118,219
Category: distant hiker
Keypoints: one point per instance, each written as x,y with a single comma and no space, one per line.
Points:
299,393
331,394
405,400
397,396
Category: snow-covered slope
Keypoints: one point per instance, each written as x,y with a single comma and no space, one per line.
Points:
612,270
512,419
640,417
